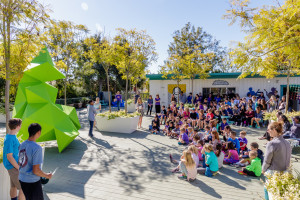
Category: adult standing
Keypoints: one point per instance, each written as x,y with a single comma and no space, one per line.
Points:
157,104
150,104
173,98
272,103
136,97
140,109
91,116
182,97
97,105
190,99
118,98
278,152
282,104
30,160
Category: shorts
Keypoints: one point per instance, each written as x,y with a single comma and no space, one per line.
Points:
14,178
33,191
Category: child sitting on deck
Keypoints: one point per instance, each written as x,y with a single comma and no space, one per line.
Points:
210,166
245,157
223,125
243,141
183,137
175,132
190,133
220,155
194,152
234,140
233,156
199,146
255,168
166,127
187,166
155,128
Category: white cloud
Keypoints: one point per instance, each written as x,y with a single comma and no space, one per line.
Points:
99,27
84,6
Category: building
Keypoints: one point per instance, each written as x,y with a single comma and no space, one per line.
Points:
224,83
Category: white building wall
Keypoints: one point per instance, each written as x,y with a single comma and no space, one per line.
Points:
242,85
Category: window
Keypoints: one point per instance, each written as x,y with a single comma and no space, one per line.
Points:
222,91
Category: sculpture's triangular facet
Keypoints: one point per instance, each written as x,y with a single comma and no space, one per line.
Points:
35,103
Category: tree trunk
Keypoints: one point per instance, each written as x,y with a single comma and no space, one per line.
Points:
100,84
65,91
6,42
178,93
126,93
287,91
109,100
192,86
136,89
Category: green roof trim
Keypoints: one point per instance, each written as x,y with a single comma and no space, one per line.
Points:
212,76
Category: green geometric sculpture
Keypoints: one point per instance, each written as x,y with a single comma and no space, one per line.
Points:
35,103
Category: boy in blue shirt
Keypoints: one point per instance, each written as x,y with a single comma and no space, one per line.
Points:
235,141
30,160
10,158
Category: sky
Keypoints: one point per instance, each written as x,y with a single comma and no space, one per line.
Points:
160,18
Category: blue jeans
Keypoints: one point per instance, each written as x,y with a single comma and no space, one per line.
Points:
91,128
203,162
118,104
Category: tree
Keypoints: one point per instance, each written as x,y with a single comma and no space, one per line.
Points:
189,39
20,34
103,53
272,46
174,69
135,50
196,63
65,38
195,53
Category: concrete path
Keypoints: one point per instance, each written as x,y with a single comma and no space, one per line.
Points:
136,166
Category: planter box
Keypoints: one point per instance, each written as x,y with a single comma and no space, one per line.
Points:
4,183
117,125
131,108
3,117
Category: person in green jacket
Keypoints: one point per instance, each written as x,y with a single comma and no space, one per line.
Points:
254,169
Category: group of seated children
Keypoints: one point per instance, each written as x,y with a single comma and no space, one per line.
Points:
206,152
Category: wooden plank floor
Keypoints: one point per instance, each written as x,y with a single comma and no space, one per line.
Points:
136,166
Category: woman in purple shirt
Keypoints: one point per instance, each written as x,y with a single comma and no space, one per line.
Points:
157,104
150,104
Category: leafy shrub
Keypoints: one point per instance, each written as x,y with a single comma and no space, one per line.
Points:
189,105
114,115
130,101
272,115
283,185
2,108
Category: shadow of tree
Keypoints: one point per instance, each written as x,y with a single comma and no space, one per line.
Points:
62,180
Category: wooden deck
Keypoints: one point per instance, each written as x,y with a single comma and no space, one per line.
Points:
136,166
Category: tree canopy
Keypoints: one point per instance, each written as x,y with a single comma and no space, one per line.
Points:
272,44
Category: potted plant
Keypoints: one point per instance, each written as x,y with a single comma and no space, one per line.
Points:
4,177
117,122
283,185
